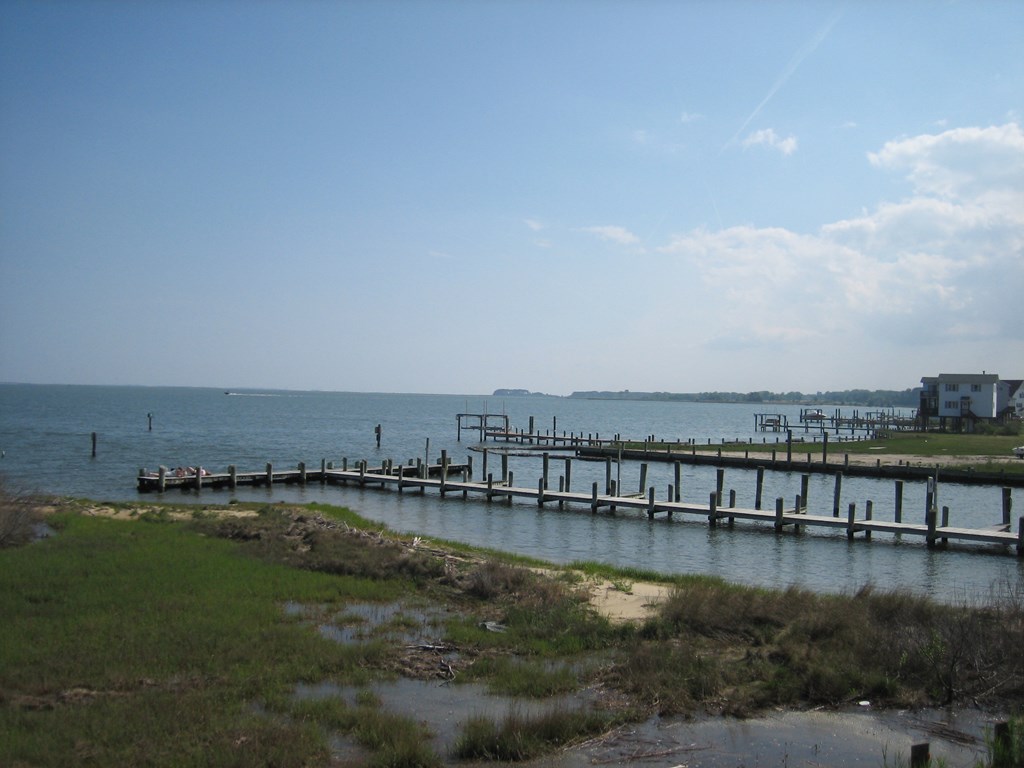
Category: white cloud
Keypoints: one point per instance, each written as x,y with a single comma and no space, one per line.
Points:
534,224
767,137
943,266
613,234
690,117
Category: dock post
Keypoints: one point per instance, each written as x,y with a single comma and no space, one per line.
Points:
650,503
643,477
490,486
199,478
945,523
713,510
323,471
779,504
899,501
484,470
1020,537
868,513
541,482
469,468
678,484
732,504
920,756
671,496
719,484
302,473
561,489
789,445
444,471
94,445
1007,506
504,469
804,484
837,494
546,460
162,481
929,519
593,502
759,489
270,474
851,528
568,474
232,477
824,450
607,474
797,506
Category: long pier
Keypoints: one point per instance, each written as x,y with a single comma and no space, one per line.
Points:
935,528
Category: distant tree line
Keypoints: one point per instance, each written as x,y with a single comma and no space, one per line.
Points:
877,398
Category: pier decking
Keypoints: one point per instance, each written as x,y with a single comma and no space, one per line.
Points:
421,477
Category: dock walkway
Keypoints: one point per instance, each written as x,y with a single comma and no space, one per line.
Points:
438,477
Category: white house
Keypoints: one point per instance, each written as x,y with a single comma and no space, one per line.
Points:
963,395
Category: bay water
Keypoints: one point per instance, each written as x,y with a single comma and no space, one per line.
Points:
46,446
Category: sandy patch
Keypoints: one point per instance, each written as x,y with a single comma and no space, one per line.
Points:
627,601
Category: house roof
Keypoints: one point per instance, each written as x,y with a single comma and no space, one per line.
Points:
961,378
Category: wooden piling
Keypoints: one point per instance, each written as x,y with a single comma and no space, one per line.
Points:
868,514
805,481
899,501
541,482
837,494
94,445
1007,505
199,478
270,474
779,508
713,510
650,503
162,479
677,470
719,484
643,478
593,498
759,488
851,528
302,473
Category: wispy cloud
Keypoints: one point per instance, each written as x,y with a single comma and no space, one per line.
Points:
690,117
794,63
534,224
768,138
613,234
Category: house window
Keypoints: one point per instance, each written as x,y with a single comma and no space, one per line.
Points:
952,387
951,405
975,387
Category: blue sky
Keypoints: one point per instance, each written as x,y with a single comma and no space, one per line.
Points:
457,196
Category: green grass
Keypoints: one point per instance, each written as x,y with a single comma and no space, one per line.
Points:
127,643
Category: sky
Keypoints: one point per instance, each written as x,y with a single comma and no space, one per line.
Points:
446,196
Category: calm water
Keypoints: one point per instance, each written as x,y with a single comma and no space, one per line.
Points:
45,436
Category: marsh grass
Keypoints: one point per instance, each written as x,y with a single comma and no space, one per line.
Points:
517,737
150,641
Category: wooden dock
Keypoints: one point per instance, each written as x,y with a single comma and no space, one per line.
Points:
422,477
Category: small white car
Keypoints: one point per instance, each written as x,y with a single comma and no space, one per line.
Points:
1019,451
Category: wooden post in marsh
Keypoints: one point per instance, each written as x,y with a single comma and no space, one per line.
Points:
920,756
837,494
1007,507
758,491
94,445
899,502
